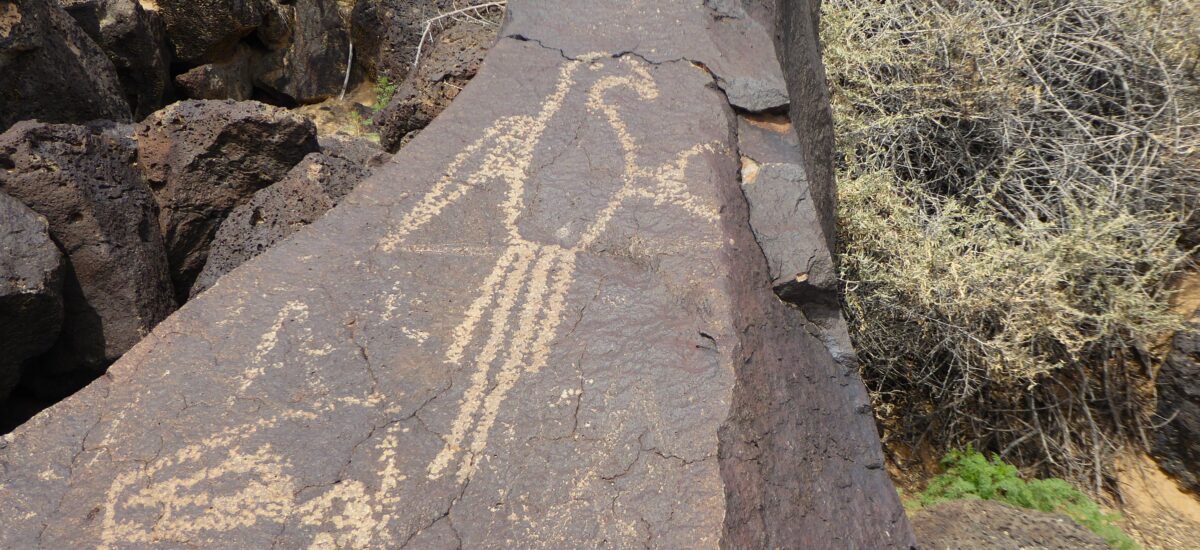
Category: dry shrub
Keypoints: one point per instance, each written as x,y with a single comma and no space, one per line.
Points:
1017,185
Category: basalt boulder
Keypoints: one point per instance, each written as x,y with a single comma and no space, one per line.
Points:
386,34
51,70
545,323
446,66
102,214
134,40
203,31
31,309
798,45
1177,443
358,150
786,224
204,158
308,43
230,78
309,190
292,51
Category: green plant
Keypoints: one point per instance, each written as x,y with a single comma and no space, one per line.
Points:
359,122
1017,189
385,89
969,474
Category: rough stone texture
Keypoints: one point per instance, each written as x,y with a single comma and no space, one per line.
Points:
987,525
1177,443
309,63
231,78
797,40
31,309
133,39
293,51
386,33
50,70
446,66
309,190
101,213
788,228
358,150
735,47
203,31
203,158
546,323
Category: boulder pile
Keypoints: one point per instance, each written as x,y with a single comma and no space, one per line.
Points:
107,225
130,131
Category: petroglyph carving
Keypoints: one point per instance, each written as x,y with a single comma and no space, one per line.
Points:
520,340
506,331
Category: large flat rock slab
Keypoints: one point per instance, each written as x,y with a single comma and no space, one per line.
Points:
546,323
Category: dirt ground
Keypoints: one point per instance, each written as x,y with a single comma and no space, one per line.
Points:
1157,513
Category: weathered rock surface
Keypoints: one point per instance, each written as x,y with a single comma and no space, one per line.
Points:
987,525
230,78
204,158
307,62
786,225
1177,443
102,215
31,309
51,70
358,150
386,34
798,42
309,190
133,39
735,47
446,66
294,51
202,31
546,323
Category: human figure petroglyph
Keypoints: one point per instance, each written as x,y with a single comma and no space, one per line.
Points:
506,331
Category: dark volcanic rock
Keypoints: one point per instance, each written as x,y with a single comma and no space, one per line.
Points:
798,43
782,214
1177,443
294,51
445,68
309,63
203,31
31,309
785,224
101,213
134,40
386,34
50,70
987,525
203,158
231,78
309,190
735,47
360,151
546,323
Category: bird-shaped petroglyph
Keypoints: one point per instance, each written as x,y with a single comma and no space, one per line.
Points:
507,330
517,312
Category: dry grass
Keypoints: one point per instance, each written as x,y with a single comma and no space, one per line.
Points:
1018,184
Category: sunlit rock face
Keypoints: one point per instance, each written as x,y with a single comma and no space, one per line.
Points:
547,322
